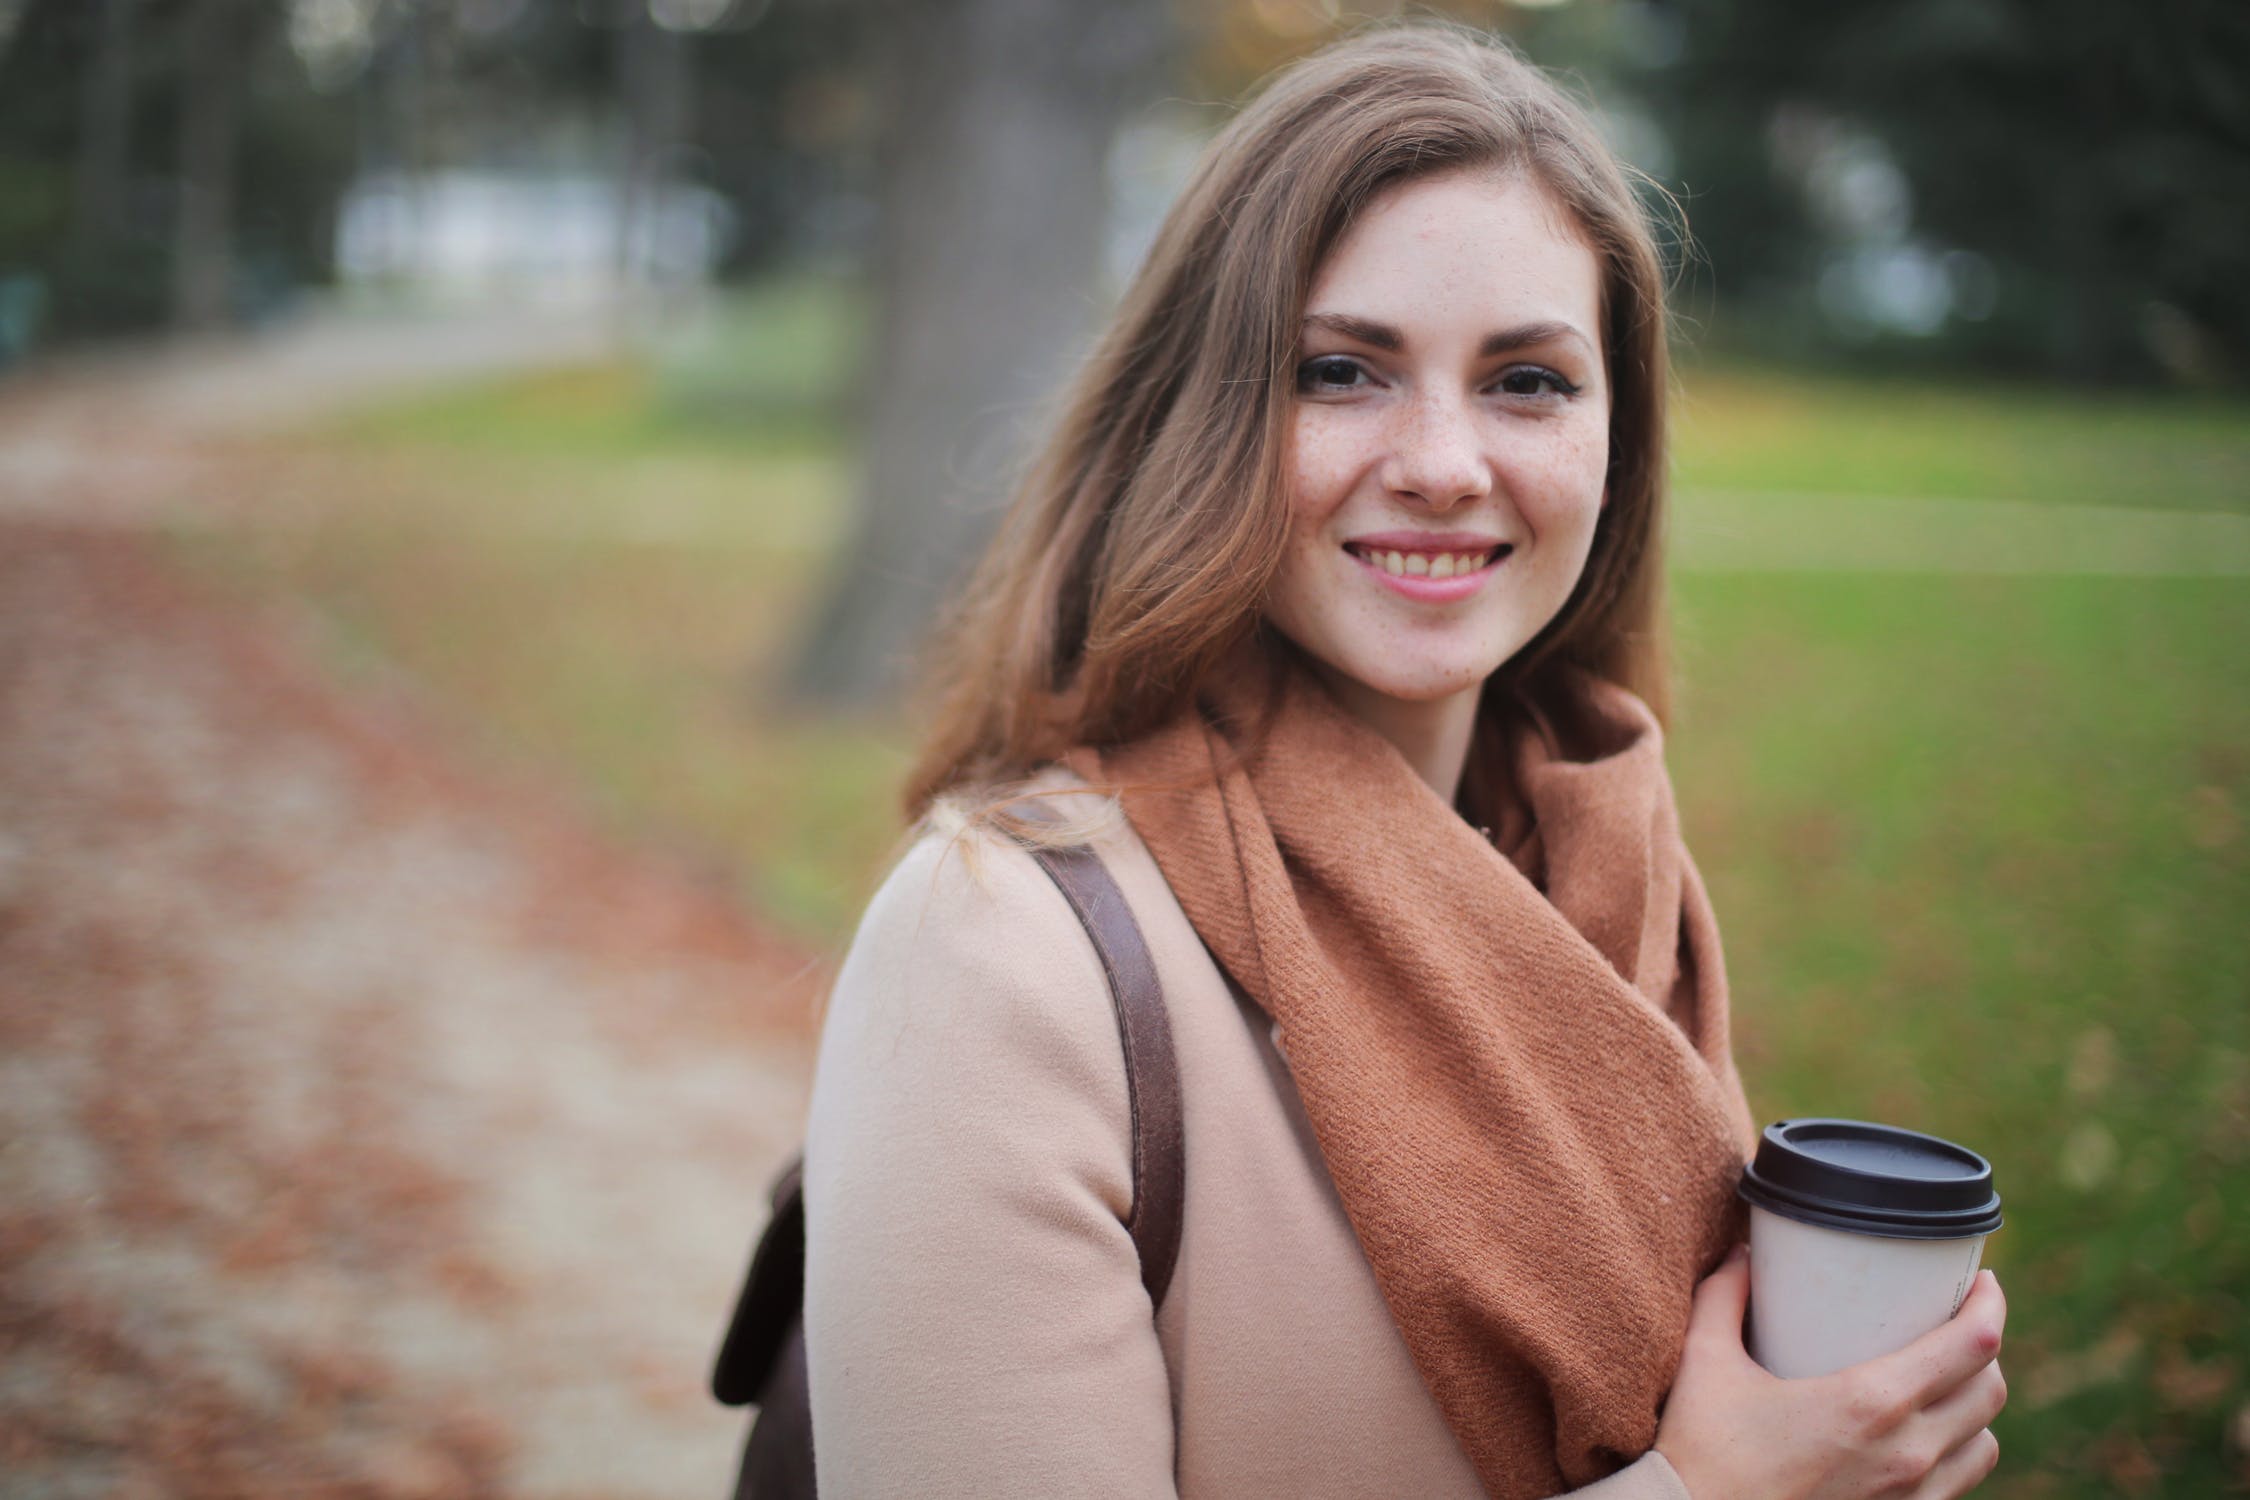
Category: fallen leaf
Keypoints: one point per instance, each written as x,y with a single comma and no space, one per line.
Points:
2212,821
2089,1155
2127,1463
2065,1375
2190,1385
2093,1063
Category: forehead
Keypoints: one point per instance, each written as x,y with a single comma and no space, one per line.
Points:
1463,245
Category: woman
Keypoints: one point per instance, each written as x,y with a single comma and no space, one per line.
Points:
1329,619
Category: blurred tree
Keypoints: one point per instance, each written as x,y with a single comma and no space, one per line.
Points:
124,204
105,128
2095,156
54,243
656,89
784,126
161,160
219,33
998,120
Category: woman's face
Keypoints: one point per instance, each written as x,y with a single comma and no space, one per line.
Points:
1450,437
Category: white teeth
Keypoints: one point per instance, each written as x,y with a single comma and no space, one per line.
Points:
1420,564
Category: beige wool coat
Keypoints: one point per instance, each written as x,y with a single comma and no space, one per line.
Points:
974,1316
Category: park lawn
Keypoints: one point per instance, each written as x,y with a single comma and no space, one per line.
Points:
1977,843
605,619
1978,849
1745,428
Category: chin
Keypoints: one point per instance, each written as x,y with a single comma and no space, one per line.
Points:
1431,684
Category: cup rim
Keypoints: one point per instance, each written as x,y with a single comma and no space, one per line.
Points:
1786,1179
1890,1227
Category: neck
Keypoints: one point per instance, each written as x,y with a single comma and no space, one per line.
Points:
1433,734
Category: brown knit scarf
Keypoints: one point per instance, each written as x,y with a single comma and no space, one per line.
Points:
1516,1064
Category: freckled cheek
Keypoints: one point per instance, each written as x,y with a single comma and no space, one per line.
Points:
1321,463
1560,484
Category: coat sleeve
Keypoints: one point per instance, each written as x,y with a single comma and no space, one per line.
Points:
974,1318
1648,1477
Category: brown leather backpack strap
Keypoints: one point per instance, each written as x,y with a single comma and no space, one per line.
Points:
1152,1069
762,1359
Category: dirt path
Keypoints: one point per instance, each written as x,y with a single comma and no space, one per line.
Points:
366,1129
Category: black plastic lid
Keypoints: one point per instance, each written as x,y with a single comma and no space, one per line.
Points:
1872,1179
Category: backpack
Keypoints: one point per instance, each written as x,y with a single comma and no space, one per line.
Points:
762,1359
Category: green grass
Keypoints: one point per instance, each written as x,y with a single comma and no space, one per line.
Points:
594,572
1749,429
1979,844
1979,850
632,675
764,373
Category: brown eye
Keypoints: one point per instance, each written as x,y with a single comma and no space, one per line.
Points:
1535,380
1329,372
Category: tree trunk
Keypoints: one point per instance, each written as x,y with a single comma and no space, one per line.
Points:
1001,116
211,84
655,85
105,129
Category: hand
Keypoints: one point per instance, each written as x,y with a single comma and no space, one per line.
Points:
1912,1425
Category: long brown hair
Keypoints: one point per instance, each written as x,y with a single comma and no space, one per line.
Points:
1144,536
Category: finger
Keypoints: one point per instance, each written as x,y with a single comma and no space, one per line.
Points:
1721,1297
1963,1469
1937,1362
1972,1405
1999,1298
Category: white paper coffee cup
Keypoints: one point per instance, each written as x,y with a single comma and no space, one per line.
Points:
1863,1238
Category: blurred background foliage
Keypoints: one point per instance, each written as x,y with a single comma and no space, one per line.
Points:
2048,189
1962,485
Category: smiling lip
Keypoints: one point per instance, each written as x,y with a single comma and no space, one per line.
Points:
1426,542
1372,553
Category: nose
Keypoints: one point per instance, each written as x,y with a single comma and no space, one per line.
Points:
1435,458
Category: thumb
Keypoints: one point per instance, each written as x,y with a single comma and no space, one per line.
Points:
1721,1298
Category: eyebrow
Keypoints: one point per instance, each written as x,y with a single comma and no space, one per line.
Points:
1384,336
